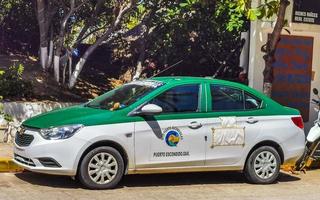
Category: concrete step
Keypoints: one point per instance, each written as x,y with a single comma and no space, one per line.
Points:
6,163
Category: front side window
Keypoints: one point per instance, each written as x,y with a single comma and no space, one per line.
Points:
179,99
125,95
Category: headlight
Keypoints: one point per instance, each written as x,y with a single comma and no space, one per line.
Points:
61,132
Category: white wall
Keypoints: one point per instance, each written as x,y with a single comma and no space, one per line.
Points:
24,110
258,37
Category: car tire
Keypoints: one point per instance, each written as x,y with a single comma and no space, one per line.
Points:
263,166
101,168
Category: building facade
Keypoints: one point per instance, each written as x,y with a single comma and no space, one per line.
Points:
297,66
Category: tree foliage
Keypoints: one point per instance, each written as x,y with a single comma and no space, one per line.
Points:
267,9
18,27
145,38
12,84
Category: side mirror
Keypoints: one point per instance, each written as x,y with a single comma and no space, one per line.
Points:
315,91
150,109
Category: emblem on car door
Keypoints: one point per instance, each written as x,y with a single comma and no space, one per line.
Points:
172,136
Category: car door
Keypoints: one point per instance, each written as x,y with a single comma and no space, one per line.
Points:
173,138
234,124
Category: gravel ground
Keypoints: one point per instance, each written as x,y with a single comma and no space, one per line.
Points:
215,185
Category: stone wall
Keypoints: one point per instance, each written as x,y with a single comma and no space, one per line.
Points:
21,111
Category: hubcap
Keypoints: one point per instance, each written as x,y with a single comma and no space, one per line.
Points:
102,168
265,165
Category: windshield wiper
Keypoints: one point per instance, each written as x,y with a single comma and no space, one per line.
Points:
93,106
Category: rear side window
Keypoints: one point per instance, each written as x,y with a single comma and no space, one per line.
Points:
179,99
226,98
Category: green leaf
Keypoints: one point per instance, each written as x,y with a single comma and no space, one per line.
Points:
251,15
183,5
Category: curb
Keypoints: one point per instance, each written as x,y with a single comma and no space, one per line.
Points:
7,165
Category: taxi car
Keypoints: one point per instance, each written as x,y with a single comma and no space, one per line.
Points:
161,125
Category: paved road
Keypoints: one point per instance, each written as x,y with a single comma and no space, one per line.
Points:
198,186
5,150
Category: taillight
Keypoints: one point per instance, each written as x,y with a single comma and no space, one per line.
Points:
298,121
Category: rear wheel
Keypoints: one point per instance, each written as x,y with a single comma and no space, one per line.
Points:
101,168
263,165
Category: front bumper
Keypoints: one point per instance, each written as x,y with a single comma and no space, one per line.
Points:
64,153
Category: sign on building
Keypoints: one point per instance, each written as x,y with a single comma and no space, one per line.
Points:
306,11
293,72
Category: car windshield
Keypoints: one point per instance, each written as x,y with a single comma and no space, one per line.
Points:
125,95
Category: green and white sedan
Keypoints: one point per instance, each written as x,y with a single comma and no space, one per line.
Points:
161,125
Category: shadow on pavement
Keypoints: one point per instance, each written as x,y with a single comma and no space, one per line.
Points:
191,179
150,180
48,180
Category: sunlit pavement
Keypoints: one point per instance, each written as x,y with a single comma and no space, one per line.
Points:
215,185
6,150
208,186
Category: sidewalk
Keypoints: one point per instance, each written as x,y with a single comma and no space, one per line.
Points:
6,150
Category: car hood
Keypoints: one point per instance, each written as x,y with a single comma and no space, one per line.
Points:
72,115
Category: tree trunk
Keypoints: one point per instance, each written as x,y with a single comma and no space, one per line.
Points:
57,55
43,56
45,10
60,41
50,56
56,67
70,66
271,47
64,74
81,62
67,61
90,50
141,58
41,5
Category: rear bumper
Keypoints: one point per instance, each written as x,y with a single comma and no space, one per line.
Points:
294,156
294,148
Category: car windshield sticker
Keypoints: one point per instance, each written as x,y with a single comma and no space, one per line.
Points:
148,83
172,136
229,134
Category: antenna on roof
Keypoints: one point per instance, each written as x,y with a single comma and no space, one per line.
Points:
177,63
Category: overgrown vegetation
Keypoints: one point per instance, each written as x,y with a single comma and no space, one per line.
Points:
12,84
144,37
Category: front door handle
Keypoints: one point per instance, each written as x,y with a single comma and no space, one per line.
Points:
251,120
195,125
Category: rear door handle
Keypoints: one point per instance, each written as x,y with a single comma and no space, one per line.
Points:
195,125
251,120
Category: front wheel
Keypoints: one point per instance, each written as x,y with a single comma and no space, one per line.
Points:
263,165
101,168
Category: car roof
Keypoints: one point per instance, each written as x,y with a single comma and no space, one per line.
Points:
168,79
186,79
176,80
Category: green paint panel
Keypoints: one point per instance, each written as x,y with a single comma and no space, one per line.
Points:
91,116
